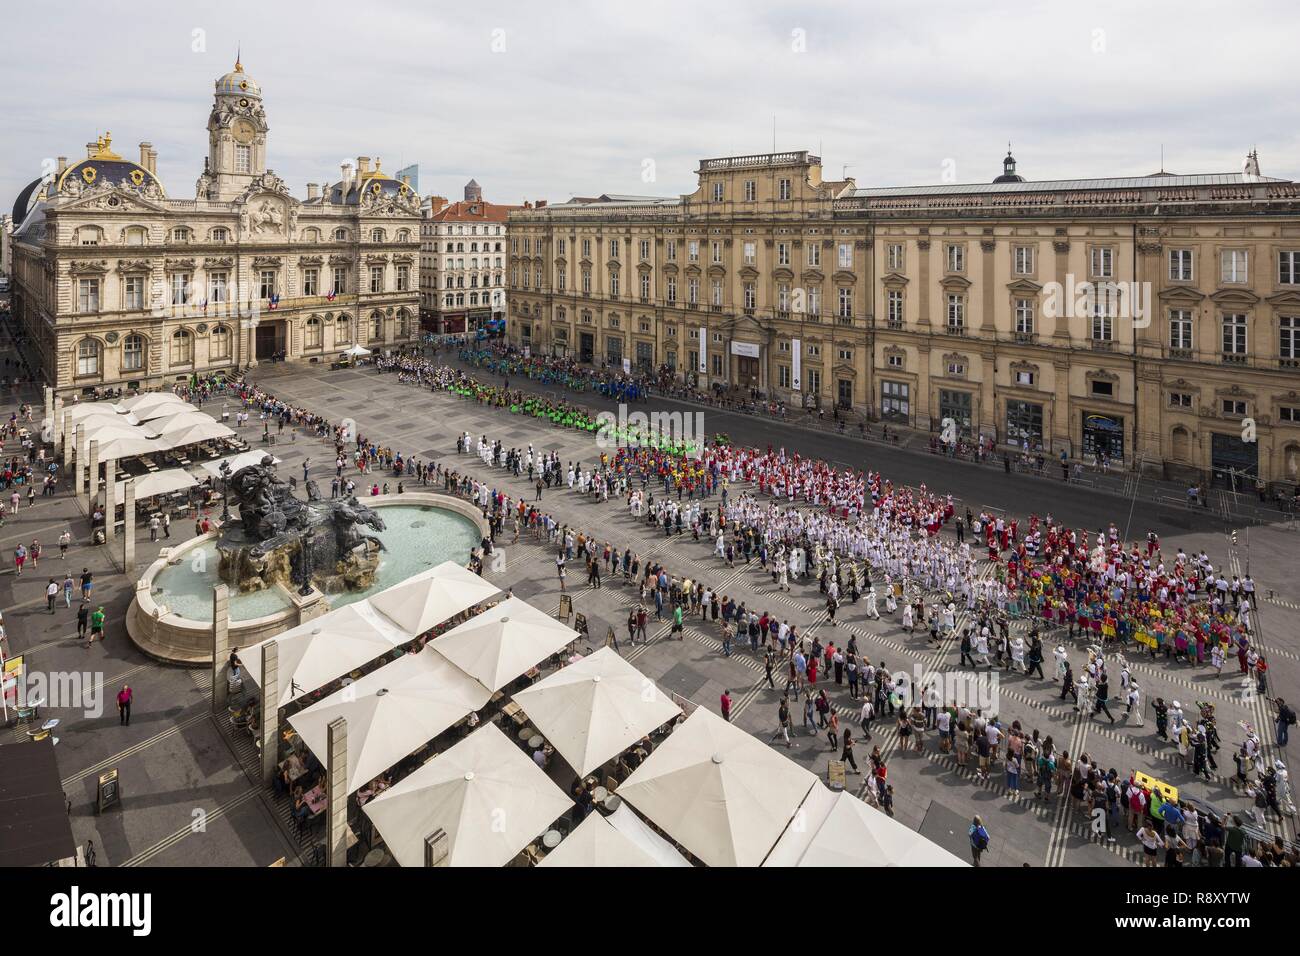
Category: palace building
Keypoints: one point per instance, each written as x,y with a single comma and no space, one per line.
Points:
120,285
1153,320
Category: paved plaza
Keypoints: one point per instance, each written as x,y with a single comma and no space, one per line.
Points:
175,760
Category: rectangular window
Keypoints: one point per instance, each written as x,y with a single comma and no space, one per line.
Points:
1288,268
1288,413
846,355
815,381
560,281
561,245
670,288
1103,389
310,281
751,190
956,258
1234,334
670,250
133,289
693,290
783,253
1288,345
717,192
1103,261
376,278
846,303
846,255
586,282
783,376
180,284
404,278
644,281
243,159
1024,260
895,401
87,295
1024,316
266,283
717,251
1025,378
750,295
1180,400
782,297
217,283
613,284
1232,406
1180,265
814,301
644,247
716,293
783,189
895,257
956,311
1233,265
750,254
693,250
586,248
613,249
1180,328
340,285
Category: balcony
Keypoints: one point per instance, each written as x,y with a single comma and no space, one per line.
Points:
1102,345
1233,358
693,306
1288,363
954,330
895,325
1025,338
715,308
1185,355
645,300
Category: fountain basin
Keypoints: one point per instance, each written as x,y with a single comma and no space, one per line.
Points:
170,618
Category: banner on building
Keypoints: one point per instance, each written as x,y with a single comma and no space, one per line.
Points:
796,365
704,350
745,349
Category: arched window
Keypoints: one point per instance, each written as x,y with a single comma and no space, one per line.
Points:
182,348
88,357
219,347
135,235
343,330
181,234
313,337
403,235
340,235
133,353
376,235
89,236
376,326
1182,444
473,298
403,323
220,234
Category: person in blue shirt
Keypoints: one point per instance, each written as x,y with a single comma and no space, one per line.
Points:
979,839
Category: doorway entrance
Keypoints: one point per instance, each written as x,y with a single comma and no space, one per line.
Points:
747,372
1234,463
586,348
270,340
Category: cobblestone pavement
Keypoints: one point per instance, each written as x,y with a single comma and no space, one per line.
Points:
933,795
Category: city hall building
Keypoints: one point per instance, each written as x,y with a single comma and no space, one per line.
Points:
120,285
1151,320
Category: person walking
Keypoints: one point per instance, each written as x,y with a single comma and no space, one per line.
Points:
979,839
97,624
726,705
783,721
51,592
68,587
124,705
846,755
154,525
83,620
65,539
167,525
559,569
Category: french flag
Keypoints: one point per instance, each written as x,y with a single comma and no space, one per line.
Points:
274,301
329,296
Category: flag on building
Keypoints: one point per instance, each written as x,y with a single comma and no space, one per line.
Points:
274,301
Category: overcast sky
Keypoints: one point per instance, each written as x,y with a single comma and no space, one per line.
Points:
548,100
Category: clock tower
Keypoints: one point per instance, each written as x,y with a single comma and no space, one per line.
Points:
236,137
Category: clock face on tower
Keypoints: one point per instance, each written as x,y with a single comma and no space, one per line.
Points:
243,131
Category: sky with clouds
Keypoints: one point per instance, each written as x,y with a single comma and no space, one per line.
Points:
548,100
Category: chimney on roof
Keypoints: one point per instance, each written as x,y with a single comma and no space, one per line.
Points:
144,154
313,191
527,204
363,165
541,204
91,149
63,163
347,176
153,160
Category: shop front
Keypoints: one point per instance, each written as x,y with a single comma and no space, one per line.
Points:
896,402
1024,424
957,406
1234,463
1103,436
749,372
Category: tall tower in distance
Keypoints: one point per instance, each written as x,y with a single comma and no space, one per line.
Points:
236,135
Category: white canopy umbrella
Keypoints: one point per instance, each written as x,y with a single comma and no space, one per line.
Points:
193,434
242,460
838,829
391,712
318,651
718,791
87,410
595,843
146,413
595,708
488,797
498,645
357,350
626,822
128,446
430,597
149,401
159,483
175,420
102,428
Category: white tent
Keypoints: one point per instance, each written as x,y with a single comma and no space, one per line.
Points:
391,712
626,822
490,799
159,483
150,402
357,350
595,708
318,651
498,645
718,791
87,410
595,843
129,446
838,829
242,460
193,434
101,428
430,597
174,420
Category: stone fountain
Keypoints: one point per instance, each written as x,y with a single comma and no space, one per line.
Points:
280,539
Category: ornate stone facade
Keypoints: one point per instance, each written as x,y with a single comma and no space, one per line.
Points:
1059,314
241,273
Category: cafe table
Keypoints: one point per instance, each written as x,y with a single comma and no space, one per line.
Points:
551,839
535,741
315,799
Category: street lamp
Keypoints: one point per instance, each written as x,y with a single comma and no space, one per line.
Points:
225,493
